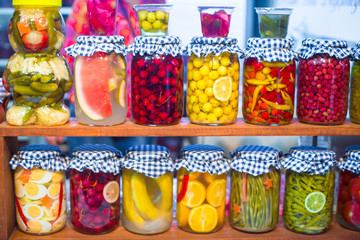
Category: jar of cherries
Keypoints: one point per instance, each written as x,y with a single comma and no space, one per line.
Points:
94,188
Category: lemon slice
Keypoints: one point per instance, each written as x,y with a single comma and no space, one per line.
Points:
222,89
121,96
315,201
111,192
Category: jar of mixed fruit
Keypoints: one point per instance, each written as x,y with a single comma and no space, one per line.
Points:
201,188
215,21
213,80
323,82
354,110
102,17
309,189
156,81
100,99
95,189
147,189
269,81
39,182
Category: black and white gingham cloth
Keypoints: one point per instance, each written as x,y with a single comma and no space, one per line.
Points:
151,160
169,45
203,158
335,48
351,160
88,45
271,49
204,46
356,51
3,92
255,159
313,160
47,157
97,158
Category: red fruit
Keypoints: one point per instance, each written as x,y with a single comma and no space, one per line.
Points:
354,187
163,116
150,107
166,81
344,194
141,63
146,102
176,115
274,72
161,73
351,213
143,74
346,176
265,115
142,82
173,82
152,98
154,80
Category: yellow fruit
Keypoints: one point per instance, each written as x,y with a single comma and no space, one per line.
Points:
182,214
160,15
213,75
209,83
111,191
214,102
190,75
207,107
222,70
203,218
121,96
190,66
216,193
232,96
227,109
201,84
192,175
221,214
195,194
224,119
146,26
165,184
193,99
202,116
198,62
225,61
197,76
151,17
235,86
266,70
230,71
233,115
218,112
222,89
236,66
204,70
236,76
193,85
157,25
212,118
209,92
196,108
214,64
203,98
142,15
234,104
193,117
198,92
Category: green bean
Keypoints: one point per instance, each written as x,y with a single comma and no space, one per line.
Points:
17,37
51,29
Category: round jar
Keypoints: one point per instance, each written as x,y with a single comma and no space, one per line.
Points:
354,109
323,82
215,21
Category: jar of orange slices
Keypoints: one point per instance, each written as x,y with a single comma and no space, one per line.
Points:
201,188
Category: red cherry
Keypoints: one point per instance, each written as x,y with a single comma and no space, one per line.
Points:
163,116
150,107
173,99
154,80
168,68
142,113
146,102
143,74
152,98
176,115
173,82
161,73
142,82
136,109
157,61
141,63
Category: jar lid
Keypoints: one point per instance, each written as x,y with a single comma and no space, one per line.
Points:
336,48
356,51
88,45
351,160
47,157
50,3
97,158
255,159
151,160
312,160
204,46
169,45
203,158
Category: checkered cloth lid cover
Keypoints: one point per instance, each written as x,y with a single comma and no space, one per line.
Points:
3,92
47,157
255,159
97,158
203,158
88,45
271,49
313,160
356,51
351,160
170,45
204,46
336,48
151,160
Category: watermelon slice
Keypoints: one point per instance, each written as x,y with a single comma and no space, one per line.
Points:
92,86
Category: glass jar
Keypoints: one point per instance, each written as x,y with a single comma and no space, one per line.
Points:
4,100
101,17
273,22
215,21
37,26
354,110
40,197
323,83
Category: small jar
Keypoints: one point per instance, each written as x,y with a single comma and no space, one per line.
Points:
348,201
100,99
323,82
147,189
269,81
215,21
255,188
37,26
156,81
39,182
309,189
94,188
213,80
354,110
201,188
102,17
273,22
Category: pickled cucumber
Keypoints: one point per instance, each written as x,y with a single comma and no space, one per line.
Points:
44,87
28,114
21,81
25,90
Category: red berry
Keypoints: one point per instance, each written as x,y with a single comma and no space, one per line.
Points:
161,73
265,115
173,82
143,74
150,107
163,116
176,115
154,80
141,63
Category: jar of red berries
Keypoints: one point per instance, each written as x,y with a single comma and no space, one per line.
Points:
94,188
156,80
323,81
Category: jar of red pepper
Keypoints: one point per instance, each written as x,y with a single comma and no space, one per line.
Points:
269,81
323,81
156,80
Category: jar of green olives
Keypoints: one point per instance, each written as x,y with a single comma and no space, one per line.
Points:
355,87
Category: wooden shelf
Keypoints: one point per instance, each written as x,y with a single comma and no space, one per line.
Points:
184,128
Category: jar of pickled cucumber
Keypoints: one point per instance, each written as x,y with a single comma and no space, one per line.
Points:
255,188
201,188
37,26
95,188
323,81
156,80
100,99
269,81
147,189
348,201
309,189
354,110
39,181
213,80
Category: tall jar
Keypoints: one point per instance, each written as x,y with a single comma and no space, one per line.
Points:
100,99
213,80
39,181
147,189
269,81
348,201
255,188
309,189
323,82
201,188
354,110
156,81
95,188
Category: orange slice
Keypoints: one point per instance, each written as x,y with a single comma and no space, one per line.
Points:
216,193
111,192
192,175
221,214
182,215
195,194
203,218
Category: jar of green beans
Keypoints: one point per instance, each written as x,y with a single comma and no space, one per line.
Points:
354,109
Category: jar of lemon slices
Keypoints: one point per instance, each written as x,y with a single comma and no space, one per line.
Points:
39,181
213,80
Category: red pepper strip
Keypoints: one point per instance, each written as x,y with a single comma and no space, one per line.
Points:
21,212
60,202
184,188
